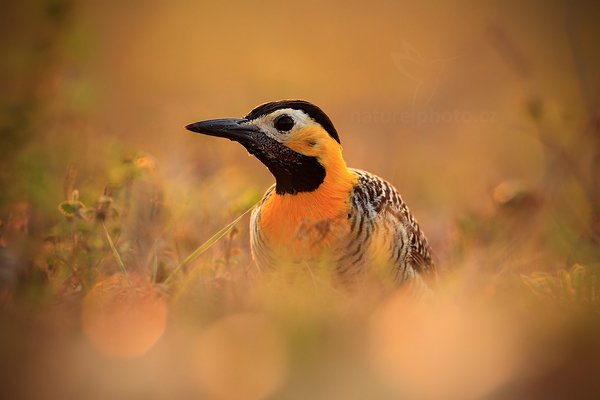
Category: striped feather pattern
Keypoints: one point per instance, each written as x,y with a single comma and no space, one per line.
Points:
381,230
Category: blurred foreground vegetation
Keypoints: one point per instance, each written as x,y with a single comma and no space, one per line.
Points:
112,284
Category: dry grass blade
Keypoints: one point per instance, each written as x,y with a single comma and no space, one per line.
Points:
116,254
206,245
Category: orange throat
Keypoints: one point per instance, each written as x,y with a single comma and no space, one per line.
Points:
296,223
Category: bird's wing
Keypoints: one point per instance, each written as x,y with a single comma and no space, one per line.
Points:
375,201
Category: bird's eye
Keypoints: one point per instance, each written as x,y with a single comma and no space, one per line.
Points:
283,123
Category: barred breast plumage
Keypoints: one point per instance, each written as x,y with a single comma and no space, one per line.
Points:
382,233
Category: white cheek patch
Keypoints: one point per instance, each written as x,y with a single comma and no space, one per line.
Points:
265,123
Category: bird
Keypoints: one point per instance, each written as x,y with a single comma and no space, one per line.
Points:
319,211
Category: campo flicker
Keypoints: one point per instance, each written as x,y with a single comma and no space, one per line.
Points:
320,212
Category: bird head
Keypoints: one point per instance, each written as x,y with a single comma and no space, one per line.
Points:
294,139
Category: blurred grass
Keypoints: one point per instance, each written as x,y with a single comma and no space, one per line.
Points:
484,116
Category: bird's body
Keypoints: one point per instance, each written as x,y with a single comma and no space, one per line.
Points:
366,227
320,212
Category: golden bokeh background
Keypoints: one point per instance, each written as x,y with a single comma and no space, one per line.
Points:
483,115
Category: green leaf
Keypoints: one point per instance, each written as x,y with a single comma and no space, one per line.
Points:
71,208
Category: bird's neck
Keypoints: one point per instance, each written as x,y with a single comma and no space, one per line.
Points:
289,222
330,199
303,175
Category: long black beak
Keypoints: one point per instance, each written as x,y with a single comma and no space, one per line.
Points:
236,129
